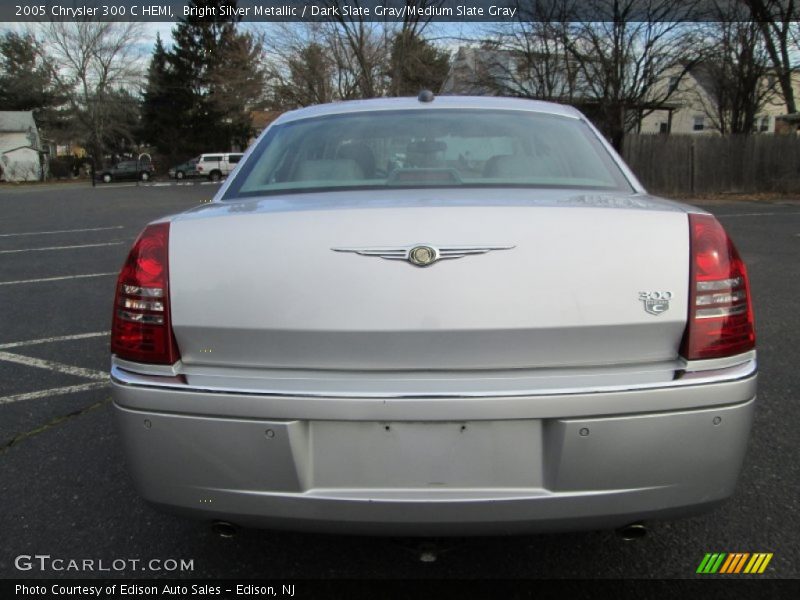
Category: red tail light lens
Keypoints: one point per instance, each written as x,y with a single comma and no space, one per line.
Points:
142,329
720,311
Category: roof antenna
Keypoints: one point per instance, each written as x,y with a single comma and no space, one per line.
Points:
426,96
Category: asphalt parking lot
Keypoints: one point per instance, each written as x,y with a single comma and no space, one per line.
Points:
65,491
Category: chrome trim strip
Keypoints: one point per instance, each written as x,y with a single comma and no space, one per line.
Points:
711,364
738,372
144,368
722,311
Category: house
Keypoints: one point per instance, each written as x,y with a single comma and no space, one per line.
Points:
691,91
693,94
22,157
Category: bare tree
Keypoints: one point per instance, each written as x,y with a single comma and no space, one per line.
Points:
348,56
97,63
733,77
624,56
360,49
301,68
778,23
612,66
338,59
528,58
310,78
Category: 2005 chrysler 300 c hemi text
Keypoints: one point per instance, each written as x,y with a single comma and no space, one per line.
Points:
429,316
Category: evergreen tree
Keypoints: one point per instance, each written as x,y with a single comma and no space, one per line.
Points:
416,64
27,83
236,87
219,71
121,126
164,108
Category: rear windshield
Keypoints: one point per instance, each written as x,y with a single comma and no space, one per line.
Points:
427,148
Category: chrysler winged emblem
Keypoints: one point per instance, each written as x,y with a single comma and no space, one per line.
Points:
422,255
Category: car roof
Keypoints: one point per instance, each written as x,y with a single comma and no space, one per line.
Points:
440,102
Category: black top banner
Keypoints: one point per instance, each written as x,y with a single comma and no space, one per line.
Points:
393,589
384,10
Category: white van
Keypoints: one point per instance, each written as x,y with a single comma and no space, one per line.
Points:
217,165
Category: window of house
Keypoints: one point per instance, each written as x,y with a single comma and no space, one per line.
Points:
764,124
663,127
673,83
699,123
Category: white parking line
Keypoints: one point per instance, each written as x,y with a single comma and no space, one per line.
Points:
56,278
62,338
48,248
83,387
51,365
2,235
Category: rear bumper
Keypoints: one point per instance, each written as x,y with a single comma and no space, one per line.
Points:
436,467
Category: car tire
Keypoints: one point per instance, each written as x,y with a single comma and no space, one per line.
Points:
215,176
179,175
145,176
106,177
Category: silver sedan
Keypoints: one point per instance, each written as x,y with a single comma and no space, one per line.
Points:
434,316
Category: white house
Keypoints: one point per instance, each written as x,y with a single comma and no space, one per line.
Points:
695,113
20,147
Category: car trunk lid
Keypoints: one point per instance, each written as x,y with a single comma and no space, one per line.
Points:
258,284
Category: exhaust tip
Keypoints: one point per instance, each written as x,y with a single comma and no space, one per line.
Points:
224,529
634,531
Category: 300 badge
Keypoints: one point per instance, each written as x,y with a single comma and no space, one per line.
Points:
655,303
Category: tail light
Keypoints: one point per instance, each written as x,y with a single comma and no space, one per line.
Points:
720,310
142,329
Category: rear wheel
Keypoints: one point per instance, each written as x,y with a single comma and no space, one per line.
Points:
215,176
106,177
179,175
145,176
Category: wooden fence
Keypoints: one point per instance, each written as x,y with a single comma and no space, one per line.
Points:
688,165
